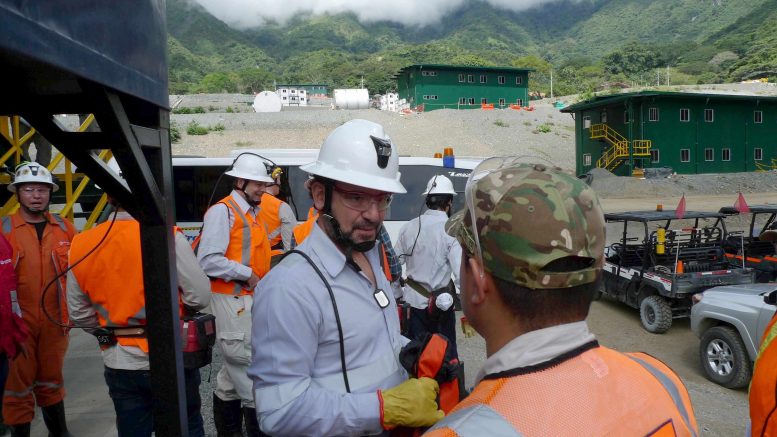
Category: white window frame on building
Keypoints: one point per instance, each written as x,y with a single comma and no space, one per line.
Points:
587,122
603,116
709,115
462,100
586,160
758,117
462,77
483,78
652,114
501,102
428,73
519,80
500,80
709,154
655,156
471,100
685,114
483,101
725,154
470,78
519,102
758,154
685,155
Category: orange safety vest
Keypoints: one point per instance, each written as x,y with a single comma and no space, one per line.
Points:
598,392
268,214
38,262
248,245
763,386
302,230
112,276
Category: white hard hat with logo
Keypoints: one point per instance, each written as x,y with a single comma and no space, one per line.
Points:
359,153
113,166
32,172
439,184
251,167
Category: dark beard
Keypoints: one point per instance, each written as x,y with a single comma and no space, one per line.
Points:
344,240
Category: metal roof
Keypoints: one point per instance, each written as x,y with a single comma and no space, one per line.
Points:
769,208
460,67
652,216
609,99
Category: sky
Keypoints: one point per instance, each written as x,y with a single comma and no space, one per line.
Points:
254,13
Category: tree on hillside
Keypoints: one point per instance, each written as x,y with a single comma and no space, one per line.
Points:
219,82
631,59
254,80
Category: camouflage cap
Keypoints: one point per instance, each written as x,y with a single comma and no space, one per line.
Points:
527,216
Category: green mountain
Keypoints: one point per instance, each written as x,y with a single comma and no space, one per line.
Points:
585,42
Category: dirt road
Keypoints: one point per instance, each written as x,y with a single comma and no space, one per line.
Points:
693,202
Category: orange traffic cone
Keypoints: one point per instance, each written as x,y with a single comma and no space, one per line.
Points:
679,268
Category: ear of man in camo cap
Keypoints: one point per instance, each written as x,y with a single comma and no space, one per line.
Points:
529,215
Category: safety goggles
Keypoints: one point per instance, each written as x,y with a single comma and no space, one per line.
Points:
470,236
362,202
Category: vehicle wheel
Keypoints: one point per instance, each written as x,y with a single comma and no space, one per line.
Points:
724,357
656,314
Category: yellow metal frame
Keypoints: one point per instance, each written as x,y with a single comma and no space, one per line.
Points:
72,194
760,166
619,149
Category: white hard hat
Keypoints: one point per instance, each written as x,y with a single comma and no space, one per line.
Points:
439,184
32,172
251,167
359,153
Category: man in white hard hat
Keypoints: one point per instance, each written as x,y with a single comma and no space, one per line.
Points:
278,217
40,241
430,257
326,332
234,252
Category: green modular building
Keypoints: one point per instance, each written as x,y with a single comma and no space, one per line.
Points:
313,89
432,86
689,132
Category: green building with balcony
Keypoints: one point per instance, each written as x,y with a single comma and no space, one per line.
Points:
432,86
689,132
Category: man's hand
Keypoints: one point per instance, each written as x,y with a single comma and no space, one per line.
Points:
412,404
252,281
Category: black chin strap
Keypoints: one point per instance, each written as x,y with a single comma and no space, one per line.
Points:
337,233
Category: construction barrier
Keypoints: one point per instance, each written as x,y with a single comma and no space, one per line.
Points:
487,106
515,106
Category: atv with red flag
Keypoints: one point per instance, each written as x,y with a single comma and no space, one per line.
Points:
660,261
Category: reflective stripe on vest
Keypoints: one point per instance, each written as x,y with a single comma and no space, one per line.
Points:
475,421
302,230
370,375
254,254
7,224
269,214
60,222
670,387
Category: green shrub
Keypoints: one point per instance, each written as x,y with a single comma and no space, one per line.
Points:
211,108
501,123
199,110
229,109
195,129
543,128
175,134
182,110
217,128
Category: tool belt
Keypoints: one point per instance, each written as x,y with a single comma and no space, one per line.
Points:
432,310
198,332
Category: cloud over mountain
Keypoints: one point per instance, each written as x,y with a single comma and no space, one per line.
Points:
244,14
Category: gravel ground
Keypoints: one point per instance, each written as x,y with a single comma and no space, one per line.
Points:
469,132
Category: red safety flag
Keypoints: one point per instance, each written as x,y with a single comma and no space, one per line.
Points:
741,205
679,212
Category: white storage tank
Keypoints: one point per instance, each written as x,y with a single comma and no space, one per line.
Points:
267,101
352,98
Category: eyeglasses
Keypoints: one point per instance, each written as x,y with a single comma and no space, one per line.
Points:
362,202
30,190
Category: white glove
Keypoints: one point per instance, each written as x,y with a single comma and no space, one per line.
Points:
444,301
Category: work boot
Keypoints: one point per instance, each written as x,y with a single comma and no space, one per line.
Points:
227,416
252,424
54,418
22,430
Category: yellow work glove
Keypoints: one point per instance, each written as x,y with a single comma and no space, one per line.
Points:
466,328
412,404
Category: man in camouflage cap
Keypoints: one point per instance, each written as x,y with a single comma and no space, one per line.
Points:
533,248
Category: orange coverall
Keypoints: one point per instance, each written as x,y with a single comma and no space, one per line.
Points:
38,369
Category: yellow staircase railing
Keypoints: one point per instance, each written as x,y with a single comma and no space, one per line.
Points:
72,194
760,166
619,146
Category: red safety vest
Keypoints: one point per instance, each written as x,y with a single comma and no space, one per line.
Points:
248,245
598,392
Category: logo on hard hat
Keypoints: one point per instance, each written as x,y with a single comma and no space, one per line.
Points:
383,149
